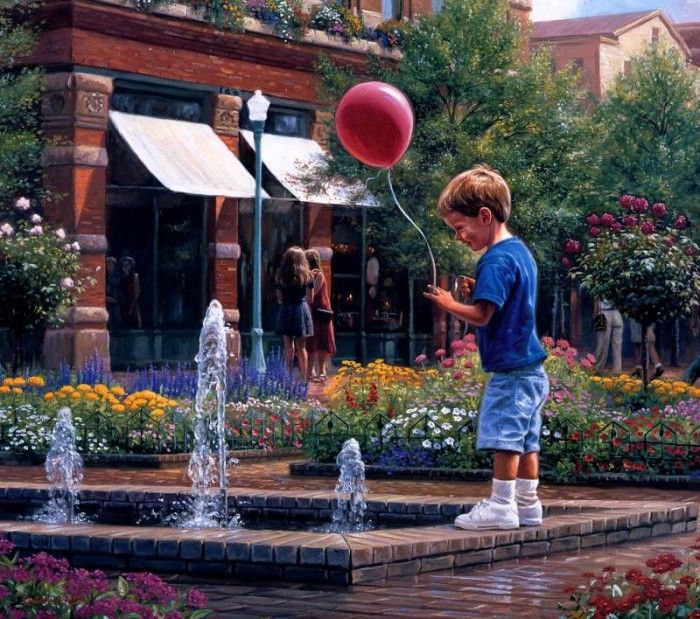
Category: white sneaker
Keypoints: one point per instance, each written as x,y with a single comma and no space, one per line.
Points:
530,515
489,515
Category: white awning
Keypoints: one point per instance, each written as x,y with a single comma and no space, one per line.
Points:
293,161
185,157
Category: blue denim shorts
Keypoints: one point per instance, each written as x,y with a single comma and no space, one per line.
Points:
510,418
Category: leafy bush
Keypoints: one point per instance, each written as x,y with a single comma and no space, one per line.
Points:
38,270
43,586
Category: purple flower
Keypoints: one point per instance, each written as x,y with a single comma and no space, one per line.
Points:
47,568
36,231
421,359
640,205
6,230
572,246
594,231
593,219
6,547
691,251
627,201
150,588
196,599
658,210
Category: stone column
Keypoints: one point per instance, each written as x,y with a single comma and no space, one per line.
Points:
74,118
224,250
320,128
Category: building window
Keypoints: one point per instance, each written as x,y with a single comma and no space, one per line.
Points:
391,9
654,35
282,121
578,64
148,104
627,68
437,5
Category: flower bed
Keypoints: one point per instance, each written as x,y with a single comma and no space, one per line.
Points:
428,417
668,588
44,587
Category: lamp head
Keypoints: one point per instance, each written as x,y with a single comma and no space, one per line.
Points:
257,107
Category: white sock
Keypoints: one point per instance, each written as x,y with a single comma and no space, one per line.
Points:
503,491
526,491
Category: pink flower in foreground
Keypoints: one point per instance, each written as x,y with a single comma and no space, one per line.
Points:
606,219
548,341
421,359
658,210
67,283
593,219
647,227
572,246
566,262
640,205
196,599
629,221
627,201
440,352
448,363
681,222
22,204
594,231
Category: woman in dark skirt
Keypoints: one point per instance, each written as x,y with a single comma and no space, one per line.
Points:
294,290
321,345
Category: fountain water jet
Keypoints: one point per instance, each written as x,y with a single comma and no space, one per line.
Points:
64,469
350,490
202,468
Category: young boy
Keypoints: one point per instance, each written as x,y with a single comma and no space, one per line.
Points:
476,205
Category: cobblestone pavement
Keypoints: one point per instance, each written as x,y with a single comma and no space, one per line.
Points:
519,588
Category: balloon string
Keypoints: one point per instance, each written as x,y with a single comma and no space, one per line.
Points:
405,214
372,178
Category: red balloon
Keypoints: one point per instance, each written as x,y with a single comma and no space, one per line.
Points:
374,122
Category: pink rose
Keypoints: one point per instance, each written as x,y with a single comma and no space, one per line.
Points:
548,341
627,201
629,221
640,205
647,227
421,359
22,204
658,210
457,345
593,219
606,219
448,363
440,352
594,231
469,337
681,222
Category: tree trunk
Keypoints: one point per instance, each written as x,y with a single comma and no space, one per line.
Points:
555,308
16,346
645,356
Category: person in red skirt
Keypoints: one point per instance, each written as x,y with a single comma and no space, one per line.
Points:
321,345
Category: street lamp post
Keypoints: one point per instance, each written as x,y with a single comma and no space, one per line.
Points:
257,112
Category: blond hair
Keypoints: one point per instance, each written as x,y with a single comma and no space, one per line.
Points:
314,258
470,191
294,270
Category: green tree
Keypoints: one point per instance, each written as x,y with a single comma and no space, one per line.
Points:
650,128
476,99
20,90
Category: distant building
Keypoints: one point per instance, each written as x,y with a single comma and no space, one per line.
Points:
604,46
690,31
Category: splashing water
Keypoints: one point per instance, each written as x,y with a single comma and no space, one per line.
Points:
64,469
206,468
349,514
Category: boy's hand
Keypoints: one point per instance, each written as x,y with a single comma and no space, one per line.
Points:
440,297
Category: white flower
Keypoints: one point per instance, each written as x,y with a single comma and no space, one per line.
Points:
472,414
36,231
6,230
545,432
67,283
61,234
35,219
446,426
444,410
75,246
431,424
449,441
427,444
66,247
557,435
511,73
22,204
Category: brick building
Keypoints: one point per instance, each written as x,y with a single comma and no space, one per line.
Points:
603,46
153,179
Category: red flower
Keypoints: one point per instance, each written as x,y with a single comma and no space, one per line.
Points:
664,563
448,363
627,201
594,231
458,375
629,221
593,219
440,352
572,246
606,219
575,436
690,251
658,210
640,205
588,458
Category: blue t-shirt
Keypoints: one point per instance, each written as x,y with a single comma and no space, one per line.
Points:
506,275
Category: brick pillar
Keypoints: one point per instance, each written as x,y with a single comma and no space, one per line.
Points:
224,250
74,116
521,10
318,235
320,128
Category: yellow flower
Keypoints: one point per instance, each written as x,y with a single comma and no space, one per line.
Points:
36,381
101,390
158,413
8,381
84,387
4,389
118,408
19,382
133,407
48,396
16,390
66,389
140,402
92,397
118,391
75,395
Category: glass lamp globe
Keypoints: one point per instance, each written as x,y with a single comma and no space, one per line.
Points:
257,107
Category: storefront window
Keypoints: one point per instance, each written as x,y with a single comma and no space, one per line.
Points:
345,265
